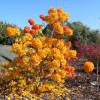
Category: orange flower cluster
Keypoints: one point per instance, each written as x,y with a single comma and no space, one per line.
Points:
88,66
56,19
13,31
35,28
55,16
70,71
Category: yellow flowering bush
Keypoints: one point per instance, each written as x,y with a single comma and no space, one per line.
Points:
41,64
13,31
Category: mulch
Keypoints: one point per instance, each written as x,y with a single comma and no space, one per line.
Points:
82,89
83,86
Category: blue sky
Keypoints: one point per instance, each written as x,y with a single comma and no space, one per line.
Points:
18,11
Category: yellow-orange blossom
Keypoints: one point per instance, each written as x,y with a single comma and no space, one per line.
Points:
41,61
88,66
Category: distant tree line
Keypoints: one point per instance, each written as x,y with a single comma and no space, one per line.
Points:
81,32
84,33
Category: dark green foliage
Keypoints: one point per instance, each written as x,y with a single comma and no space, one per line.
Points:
84,33
48,30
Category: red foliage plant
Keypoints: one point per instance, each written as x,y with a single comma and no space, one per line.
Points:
89,50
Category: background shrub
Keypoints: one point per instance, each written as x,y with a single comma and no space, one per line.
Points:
4,39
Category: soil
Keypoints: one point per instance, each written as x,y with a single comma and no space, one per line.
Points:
83,87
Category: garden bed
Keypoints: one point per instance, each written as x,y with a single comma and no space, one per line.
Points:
82,87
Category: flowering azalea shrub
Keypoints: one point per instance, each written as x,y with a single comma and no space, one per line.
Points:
41,64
